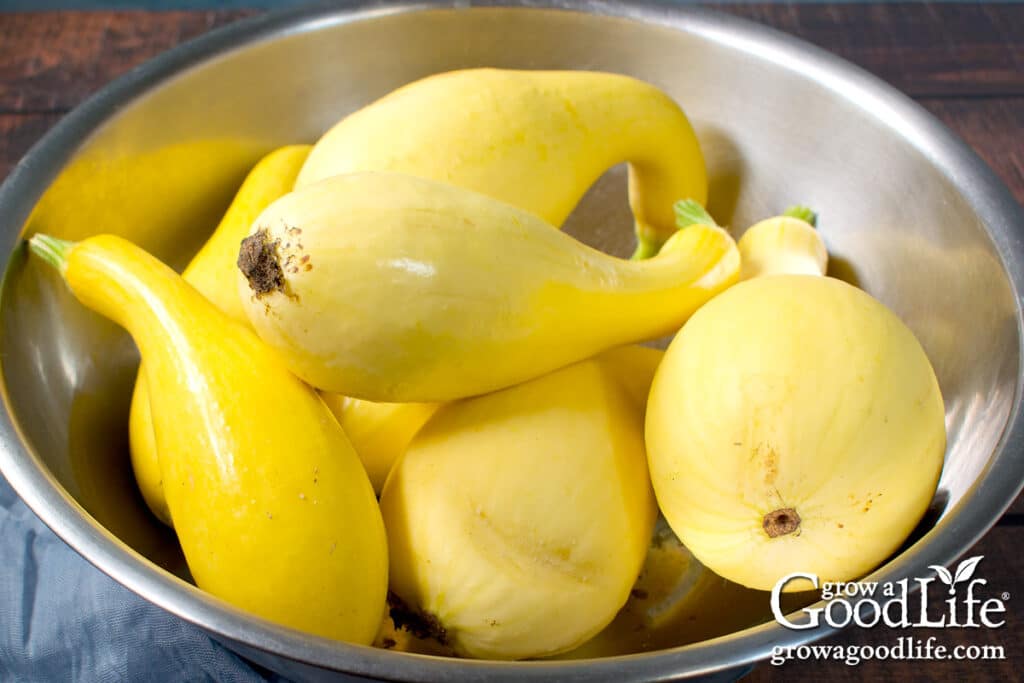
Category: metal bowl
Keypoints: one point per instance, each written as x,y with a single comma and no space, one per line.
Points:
908,211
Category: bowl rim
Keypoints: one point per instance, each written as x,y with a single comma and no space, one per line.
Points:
1001,480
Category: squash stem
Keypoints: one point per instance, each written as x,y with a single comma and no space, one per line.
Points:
52,250
645,249
803,213
690,212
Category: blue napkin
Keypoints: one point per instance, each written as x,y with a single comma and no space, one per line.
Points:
61,619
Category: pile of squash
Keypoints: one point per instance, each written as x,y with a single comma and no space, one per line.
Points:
390,386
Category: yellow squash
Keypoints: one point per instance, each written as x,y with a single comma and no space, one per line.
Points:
389,287
794,425
518,521
634,366
272,507
786,244
380,432
534,139
212,274
677,601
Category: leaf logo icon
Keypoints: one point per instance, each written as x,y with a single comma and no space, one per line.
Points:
964,571
944,575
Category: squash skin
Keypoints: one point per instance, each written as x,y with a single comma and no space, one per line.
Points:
401,289
211,272
274,511
534,139
800,393
379,432
519,520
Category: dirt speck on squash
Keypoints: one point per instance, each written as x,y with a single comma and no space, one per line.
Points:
258,261
417,622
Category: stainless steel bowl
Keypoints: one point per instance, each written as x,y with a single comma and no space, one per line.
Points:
908,211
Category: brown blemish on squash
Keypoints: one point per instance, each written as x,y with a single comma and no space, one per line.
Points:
769,461
781,522
417,622
771,466
258,261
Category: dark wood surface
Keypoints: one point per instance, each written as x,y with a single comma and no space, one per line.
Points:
963,62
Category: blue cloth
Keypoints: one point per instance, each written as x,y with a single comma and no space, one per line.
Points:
61,619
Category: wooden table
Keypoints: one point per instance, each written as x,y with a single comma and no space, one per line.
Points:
963,62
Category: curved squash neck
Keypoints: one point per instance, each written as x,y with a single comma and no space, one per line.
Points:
654,297
639,124
125,284
698,256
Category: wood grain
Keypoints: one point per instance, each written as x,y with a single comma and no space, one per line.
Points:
18,132
994,128
1015,513
1002,568
50,61
924,49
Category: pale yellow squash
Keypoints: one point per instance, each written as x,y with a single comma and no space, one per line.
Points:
634,366
535,139
274,512
781,245
518,521
794,425
382,431
379,432
390,287
784,244
677,601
